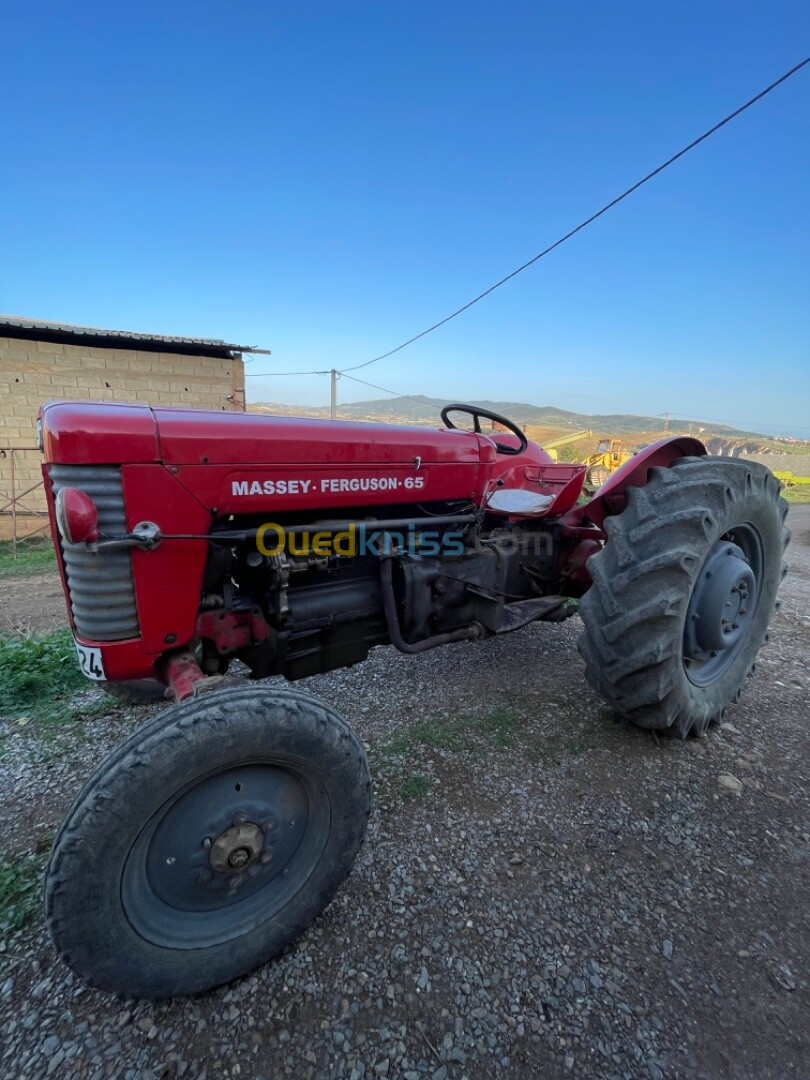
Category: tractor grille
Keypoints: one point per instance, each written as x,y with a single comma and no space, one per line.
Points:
102,595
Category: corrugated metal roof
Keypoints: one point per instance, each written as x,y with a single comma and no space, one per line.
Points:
20,326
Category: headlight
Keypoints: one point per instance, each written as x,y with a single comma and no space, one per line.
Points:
76,516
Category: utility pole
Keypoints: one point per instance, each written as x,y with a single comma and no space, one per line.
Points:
333,399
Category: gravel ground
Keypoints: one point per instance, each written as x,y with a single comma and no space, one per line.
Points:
559,895
32,603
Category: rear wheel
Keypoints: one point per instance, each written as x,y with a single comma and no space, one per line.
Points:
207,842
683,592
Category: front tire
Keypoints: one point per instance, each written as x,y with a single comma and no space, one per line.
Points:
683,592
207,842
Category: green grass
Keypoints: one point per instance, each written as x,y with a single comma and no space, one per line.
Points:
39,676
454,734
554,747
19,890
798,494
415,786
33,556
457,734
500,728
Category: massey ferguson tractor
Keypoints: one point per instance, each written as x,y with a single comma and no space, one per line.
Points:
218,831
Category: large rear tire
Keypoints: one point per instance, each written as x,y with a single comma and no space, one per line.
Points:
207,842
683,592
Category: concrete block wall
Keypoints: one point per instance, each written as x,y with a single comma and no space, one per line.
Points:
33,372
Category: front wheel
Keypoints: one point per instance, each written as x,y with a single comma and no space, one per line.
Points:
207,842
683,592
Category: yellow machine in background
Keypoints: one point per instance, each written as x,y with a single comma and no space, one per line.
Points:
551,447
610,455
788,480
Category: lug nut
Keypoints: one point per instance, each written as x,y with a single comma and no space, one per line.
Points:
239,858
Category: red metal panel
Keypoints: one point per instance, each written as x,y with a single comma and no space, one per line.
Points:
85,433
168,580
610,498
200,437
127,660
275,490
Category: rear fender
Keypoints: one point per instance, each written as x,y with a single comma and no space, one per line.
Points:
611,497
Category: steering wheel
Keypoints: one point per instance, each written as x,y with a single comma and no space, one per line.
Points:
476,414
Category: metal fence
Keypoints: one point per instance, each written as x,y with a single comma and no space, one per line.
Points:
23,513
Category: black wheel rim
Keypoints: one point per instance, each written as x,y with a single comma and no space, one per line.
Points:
723,604
225,854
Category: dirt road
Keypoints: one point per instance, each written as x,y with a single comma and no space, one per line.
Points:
555,894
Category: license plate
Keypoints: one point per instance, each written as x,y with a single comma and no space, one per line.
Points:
90,662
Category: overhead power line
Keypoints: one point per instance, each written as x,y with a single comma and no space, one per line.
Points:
264,374
582,225
363,382
588,221
394,393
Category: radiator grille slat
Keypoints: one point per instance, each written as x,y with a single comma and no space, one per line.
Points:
102,593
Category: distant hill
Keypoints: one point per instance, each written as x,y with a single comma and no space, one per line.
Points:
547,421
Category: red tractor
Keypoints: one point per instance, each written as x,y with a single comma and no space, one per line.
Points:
216,833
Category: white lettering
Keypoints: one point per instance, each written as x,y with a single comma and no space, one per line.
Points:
330,484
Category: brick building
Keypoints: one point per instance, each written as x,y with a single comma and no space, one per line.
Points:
41,361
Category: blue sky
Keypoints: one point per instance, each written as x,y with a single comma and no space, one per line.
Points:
326,180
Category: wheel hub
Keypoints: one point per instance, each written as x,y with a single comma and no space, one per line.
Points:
236,839
236,848
722,607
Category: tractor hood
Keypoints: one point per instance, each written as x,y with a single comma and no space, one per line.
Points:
192,437
119,434
108,433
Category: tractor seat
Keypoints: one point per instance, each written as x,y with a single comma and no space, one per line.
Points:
519,501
